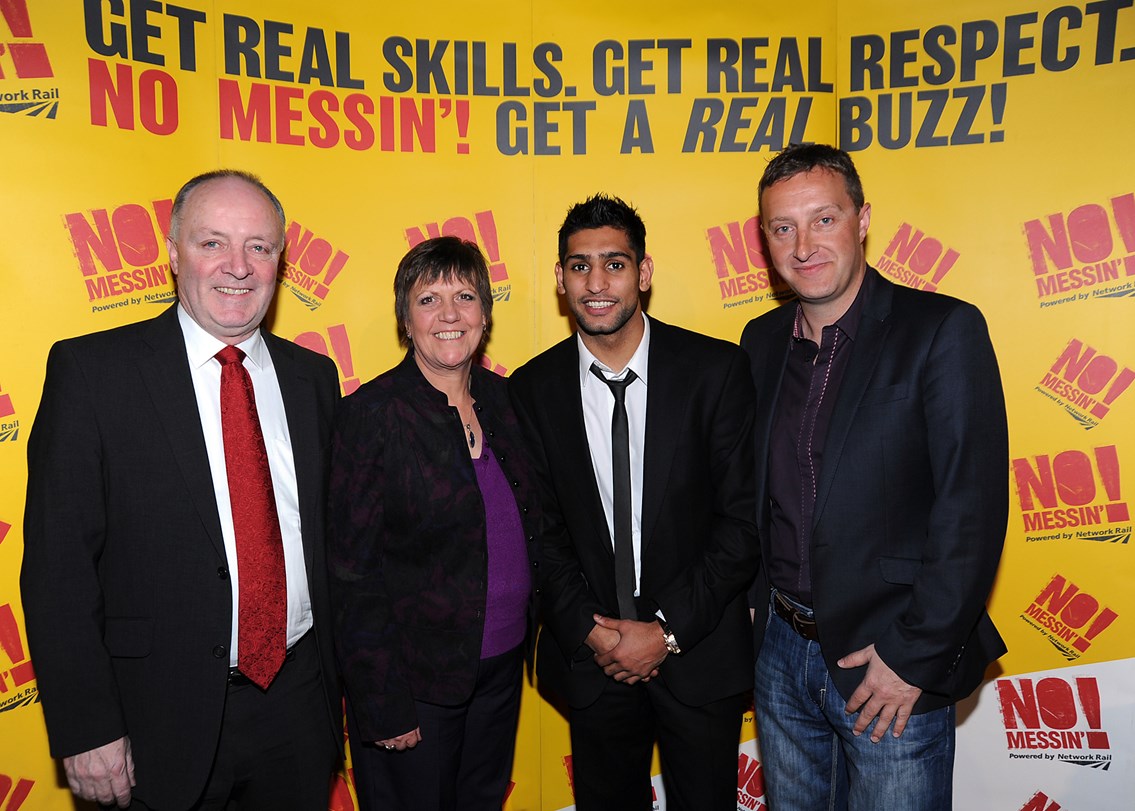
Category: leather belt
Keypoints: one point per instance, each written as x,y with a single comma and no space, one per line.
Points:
800,622
238,679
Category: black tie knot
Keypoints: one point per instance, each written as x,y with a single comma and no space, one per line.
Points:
617,387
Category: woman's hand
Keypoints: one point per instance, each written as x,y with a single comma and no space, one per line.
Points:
402,742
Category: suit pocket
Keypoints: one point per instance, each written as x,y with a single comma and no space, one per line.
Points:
886,394
129,637
899,571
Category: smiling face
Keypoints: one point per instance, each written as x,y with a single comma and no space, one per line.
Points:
815,236
446,325
601,281
225,257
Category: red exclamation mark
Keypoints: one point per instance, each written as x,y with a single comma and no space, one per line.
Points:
29,58
332,271
1106,618
1089,692
944,265
997,94
341,351
462,126
487,225
18,794
1122,381
13,647
1107,462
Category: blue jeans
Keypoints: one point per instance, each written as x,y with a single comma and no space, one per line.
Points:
811,759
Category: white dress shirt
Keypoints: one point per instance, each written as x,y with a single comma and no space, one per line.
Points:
206,371
598,406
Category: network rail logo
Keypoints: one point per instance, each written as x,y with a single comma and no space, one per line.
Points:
1073,495
24,64
1054,719
1069,617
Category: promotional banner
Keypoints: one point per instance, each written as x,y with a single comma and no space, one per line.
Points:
992,139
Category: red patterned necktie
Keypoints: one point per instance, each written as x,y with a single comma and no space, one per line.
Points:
262,619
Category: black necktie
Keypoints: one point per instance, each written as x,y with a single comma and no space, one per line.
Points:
621,474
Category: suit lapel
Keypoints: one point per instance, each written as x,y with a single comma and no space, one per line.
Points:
165,373
667,398
774,350
565,406
871,334
297,392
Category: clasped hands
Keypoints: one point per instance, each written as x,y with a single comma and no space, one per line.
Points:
628,650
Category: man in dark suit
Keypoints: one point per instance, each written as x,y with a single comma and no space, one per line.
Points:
882,501
147,556
649,549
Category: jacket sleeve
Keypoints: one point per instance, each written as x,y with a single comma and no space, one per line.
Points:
64,536
368,644
567,603
968,446
694,602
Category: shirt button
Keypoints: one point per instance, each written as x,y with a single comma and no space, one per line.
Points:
220,652
535,564
516,484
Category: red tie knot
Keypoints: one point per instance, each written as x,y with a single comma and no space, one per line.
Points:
230,354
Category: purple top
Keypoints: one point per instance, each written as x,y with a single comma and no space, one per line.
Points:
506,598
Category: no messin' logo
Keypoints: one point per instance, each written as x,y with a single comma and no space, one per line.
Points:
311,264
1059,499
1070,618
16,672
121,254
23,57
1076,255
750,776
916,259
1085,382
1040,802
9,426
1054,719
745,274
482,230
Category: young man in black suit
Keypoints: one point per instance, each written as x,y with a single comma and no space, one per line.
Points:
651,541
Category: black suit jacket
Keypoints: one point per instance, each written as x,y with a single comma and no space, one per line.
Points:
125,582
699,549
912,500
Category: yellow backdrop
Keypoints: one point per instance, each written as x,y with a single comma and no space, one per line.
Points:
993,139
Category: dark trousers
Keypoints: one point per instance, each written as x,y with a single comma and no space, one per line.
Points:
613,739
464,760
276,748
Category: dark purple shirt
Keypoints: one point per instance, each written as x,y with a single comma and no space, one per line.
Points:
808,392
506,598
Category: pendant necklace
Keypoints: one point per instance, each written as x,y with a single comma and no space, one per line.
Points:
472,436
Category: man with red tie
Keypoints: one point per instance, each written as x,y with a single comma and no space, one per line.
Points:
173,578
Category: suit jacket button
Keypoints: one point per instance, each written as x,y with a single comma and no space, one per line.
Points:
220,651
535,564
531,538
516,484
222,572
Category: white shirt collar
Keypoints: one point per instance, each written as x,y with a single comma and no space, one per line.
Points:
638,361
200,346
